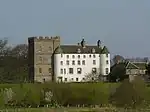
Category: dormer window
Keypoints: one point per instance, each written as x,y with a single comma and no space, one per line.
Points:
93,50
79,51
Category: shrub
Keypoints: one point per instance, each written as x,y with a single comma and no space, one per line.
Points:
73,94
130,94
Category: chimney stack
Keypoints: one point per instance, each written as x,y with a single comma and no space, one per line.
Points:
99,43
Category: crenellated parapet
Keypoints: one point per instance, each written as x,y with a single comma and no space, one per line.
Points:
42,38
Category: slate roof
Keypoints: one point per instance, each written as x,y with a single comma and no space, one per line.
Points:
132,65
73,49
104,50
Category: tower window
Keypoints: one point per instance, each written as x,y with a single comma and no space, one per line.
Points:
50,70
90,56
61,62
61,55
107,62
61,71
40,48
40,58
50,49
40,70
107,55
84,56
107,71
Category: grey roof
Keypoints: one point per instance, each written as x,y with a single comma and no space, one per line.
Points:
72,49
104,50
58,50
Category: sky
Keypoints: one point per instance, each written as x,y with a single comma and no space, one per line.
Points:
122,25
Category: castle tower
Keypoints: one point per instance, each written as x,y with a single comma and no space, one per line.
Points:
104,62
41,51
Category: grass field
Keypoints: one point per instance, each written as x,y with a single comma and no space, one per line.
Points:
71,110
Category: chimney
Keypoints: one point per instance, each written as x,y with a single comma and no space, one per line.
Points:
98,43
83,43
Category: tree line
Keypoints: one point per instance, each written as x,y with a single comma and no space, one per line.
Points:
13,62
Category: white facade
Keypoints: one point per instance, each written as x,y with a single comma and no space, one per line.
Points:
74,67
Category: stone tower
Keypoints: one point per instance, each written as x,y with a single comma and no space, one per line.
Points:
41,51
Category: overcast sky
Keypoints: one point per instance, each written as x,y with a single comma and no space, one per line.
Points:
122,25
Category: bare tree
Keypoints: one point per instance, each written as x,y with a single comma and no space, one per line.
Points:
92,77
20,50
118,58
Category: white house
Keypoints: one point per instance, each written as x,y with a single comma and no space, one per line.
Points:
73,62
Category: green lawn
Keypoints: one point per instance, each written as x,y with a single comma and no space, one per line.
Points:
71,110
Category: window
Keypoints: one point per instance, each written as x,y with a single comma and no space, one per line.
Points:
79,62
83,79
92,78
61,62
94,71
78,56
107,62
79,70
79,51
50,49
50,70
73,62
73,56
107,55
71,79
77,79
61,71
61,55
40,70
90,56
107,71
67,56
67,62
66,79
84,56
70,70
94,62
64,71
83,62
40,58
94,56
93,50
40,48
59,79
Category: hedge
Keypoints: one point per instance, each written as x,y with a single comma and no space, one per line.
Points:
64,94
